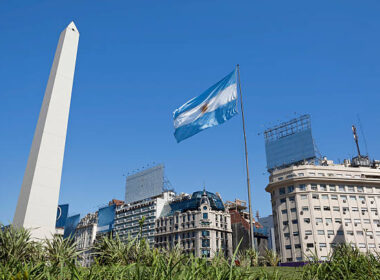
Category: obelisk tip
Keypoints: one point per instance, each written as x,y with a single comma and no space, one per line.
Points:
72,27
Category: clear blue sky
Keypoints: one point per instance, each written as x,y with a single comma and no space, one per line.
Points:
139,60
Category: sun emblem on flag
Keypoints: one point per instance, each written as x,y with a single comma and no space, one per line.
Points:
204,108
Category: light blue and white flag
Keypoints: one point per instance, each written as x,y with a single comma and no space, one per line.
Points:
213,107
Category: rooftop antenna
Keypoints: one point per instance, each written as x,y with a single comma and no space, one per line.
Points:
363,135
356,139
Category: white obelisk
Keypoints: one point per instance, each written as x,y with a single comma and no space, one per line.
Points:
38,201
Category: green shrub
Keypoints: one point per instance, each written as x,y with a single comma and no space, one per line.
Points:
345,262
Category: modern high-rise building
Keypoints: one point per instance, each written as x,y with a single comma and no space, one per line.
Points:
128,216
198,224
316,207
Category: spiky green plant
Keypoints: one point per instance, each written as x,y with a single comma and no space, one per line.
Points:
249,257
345,262
17,247
271,257
59,251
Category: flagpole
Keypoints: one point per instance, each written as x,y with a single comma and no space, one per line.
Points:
251,233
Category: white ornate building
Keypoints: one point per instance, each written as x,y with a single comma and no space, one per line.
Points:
316,207
198,224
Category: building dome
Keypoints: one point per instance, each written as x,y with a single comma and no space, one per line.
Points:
197,198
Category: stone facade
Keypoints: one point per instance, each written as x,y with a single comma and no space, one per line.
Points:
203,231
316,207
85,236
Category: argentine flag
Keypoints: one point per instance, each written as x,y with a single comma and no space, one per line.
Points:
213,107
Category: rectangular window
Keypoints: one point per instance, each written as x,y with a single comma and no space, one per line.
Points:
295,233
285,223
325,196
338,220
343,198
336,208
366,221
294,222
302,187
347,221
318,220
342,188
205,216
326,208
328,221
297,246
360,189
317,208
282,191
287,234
359,232
350,189
303,196
205,242
308,232
288,247
206,253
361,245
339,232
313,187
284,211
306,220
305,208
322,245
352,197
292,198
282,200
355,209
334,197
293,210
332,188
330,232
315,196
323,188
205,233
357,221
290,189
350,232
321,232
